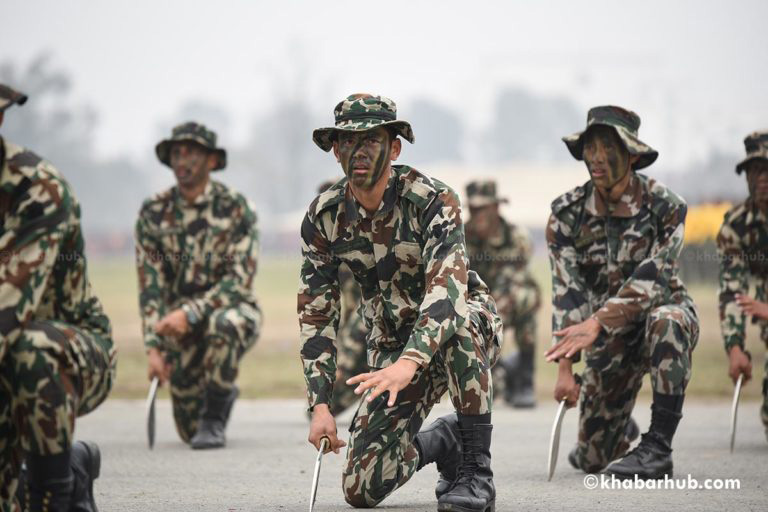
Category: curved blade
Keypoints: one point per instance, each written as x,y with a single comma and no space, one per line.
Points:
316,477
735,408
151,412
554,440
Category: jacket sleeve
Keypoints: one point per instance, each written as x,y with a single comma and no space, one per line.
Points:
570,298
152,283
444,308
645,289
318,308
30,245
734,275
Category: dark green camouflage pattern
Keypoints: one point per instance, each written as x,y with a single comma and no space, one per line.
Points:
191,132
756,145
742,246
57,357
201,257
619,264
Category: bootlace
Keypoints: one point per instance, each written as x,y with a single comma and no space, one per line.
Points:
471,447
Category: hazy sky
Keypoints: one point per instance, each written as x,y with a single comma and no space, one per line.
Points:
696,71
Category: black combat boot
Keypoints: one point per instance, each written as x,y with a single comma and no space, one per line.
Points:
217,406
86,465
631,432
511,365
524,396
652,458
439,443
473,490
47,483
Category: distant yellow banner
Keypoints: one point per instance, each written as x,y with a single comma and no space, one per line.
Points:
704,221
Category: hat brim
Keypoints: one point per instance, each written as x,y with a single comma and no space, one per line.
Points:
324,137
480,202
645,153
163,151
742,166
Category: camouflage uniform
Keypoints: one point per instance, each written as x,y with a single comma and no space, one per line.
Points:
618,264
420,303
742,245
502,261
200,257
57,357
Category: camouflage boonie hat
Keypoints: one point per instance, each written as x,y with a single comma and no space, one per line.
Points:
756,144
626,123
191,132
359,113
482,193
10,97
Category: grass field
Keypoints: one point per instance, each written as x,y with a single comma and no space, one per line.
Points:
273,369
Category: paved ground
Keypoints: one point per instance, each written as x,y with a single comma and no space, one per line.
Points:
268,463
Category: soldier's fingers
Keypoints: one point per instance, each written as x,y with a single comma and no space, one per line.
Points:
361,377
376,392
392,396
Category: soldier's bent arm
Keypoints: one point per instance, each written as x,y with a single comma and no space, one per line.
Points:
734,279
318,308
30,244
570,299
645,289
444,308
150,259
240,263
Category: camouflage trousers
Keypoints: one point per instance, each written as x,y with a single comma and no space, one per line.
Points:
614,372
351,360
381,455
53,373
764,408
208,356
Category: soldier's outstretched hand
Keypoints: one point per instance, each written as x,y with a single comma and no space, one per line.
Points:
393,378
752,307
575,338
566,387
324,425
739,363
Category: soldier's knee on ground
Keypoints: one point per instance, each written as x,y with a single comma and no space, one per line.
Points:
363,499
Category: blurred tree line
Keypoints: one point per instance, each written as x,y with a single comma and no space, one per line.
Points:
278,166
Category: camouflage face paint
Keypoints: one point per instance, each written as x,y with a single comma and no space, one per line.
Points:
365,156
189,163
605,156
757,180
485,219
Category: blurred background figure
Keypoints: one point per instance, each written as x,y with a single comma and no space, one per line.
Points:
742,246
499,252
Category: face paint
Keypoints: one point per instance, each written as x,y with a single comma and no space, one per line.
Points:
189,163
364,156
606,157
757,180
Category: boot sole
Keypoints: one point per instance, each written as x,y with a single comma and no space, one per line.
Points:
490,507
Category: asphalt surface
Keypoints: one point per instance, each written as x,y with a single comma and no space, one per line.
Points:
268,463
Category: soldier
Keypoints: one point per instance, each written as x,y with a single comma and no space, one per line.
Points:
196,253
352,354
432,324
742,246
499,252
614,243
57,358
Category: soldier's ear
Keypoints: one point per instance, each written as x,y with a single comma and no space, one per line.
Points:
2,115
211,161
633,159
336,150
395,149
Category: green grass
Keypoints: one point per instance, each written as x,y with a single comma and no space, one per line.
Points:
272,368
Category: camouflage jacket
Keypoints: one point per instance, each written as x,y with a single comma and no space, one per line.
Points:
409,258
43,271
200,256
742,246
615,264
501,261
